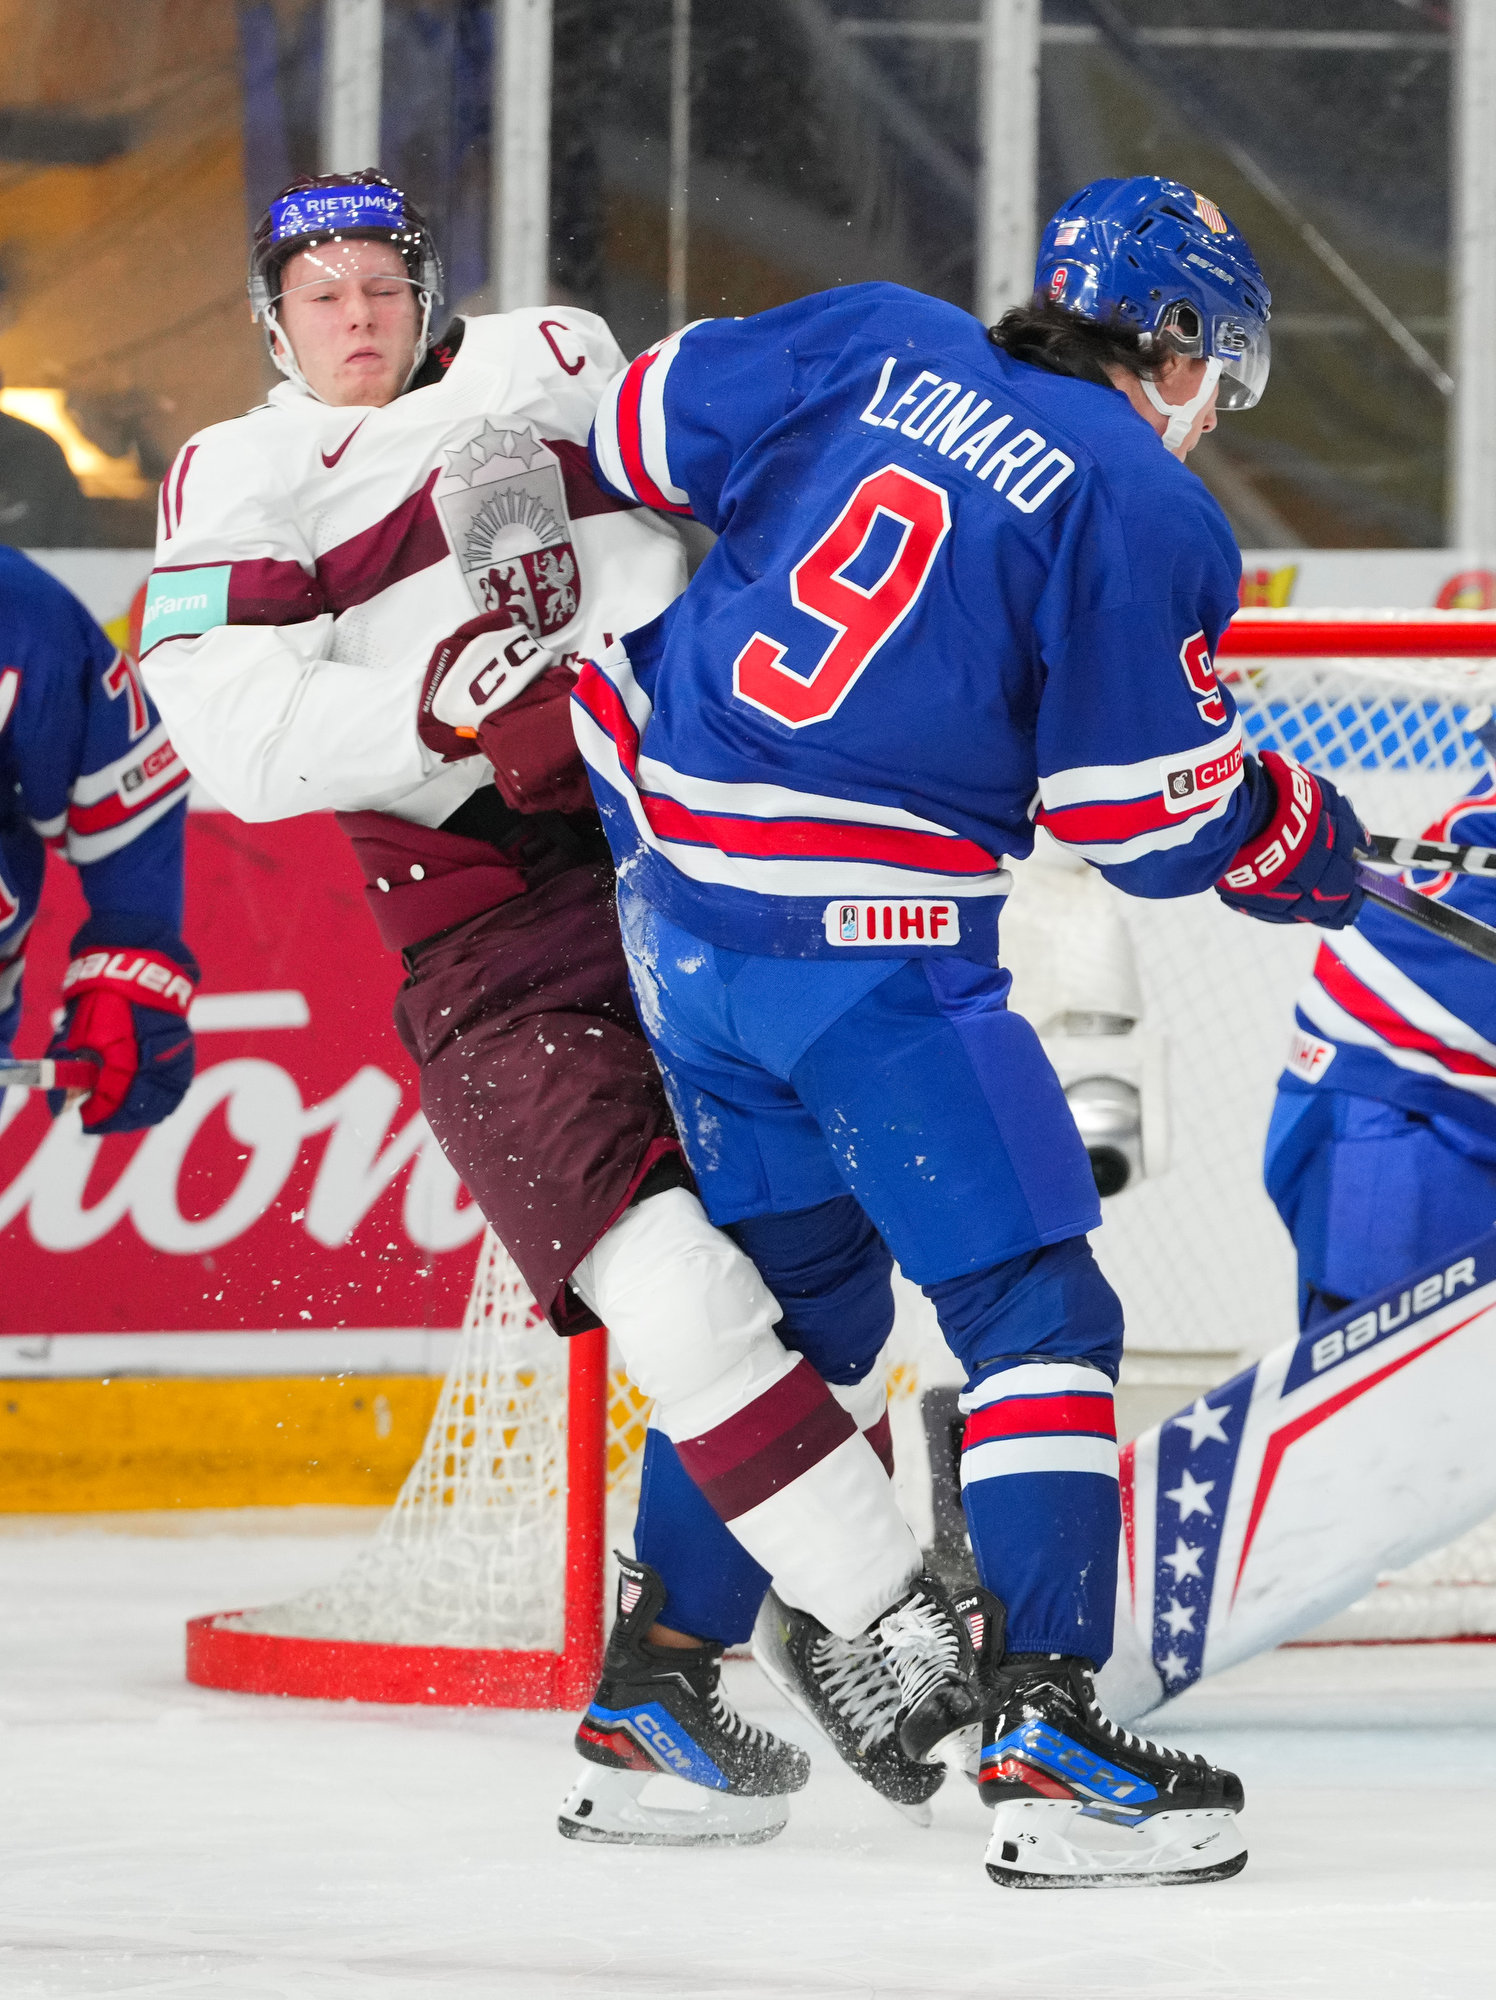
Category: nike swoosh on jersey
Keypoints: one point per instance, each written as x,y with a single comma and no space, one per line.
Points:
331,461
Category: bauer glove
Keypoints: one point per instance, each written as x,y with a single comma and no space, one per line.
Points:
1300,867
125,1000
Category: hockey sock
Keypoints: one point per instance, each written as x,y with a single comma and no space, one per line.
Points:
1039,1485
777,1455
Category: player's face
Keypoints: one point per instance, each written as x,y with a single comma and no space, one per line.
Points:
352,317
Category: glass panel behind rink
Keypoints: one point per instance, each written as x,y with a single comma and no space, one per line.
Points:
1330,121
820,154
123,326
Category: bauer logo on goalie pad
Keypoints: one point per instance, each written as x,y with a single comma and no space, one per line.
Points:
1308,1057
911,924
1375,1324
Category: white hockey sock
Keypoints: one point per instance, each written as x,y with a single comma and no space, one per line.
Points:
771,1447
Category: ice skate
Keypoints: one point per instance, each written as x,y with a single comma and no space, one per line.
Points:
849,1691
928,1648
1081,1803
668,1762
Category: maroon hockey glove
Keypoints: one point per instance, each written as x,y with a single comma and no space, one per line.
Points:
1301,867
125,1007
536,763
474,673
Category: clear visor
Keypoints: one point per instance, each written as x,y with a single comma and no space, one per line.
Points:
1246,355
368,265
1243,348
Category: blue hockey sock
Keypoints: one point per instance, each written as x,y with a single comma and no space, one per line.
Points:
1039,1485
1041,1338
713,1587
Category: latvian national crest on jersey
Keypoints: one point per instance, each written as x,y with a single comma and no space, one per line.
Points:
503,508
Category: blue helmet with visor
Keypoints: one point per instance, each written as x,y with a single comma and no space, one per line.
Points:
1157,256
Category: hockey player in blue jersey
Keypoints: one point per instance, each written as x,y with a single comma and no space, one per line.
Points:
1381,1153
962,583
85,765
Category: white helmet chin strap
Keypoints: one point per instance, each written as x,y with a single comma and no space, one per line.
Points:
1182,416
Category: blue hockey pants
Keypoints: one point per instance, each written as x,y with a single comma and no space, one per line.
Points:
837,1115
1369,1192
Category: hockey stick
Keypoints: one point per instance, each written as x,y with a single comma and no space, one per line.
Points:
45,1075
1452,925
1434,854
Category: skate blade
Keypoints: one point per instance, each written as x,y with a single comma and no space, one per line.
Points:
915,1812
1053,1844
651,1809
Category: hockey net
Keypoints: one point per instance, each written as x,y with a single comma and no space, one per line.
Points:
1387,705
485,1582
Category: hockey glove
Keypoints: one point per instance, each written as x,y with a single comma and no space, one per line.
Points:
536,764
475,672
1300,868
125,1000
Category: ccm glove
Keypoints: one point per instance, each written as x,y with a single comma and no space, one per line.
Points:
125,1000
473,674
492,690
1300,867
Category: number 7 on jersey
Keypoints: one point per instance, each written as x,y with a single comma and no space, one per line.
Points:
861,618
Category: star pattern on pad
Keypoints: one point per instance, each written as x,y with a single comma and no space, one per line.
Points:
1185,1561
1190,1496
1173,1667
1179,1617
1202,1422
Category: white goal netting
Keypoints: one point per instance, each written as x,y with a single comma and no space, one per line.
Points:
473,1553
1199,1255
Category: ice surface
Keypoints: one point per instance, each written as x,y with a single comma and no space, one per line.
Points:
163,1840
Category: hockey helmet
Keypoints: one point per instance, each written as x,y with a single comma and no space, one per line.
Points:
1166,260
318,212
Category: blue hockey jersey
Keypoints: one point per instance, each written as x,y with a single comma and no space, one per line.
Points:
1392,1012
952,595
85,765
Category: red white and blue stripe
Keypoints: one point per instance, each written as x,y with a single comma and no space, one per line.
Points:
795,849
1115,813
1040,1416
1392,1013
629,430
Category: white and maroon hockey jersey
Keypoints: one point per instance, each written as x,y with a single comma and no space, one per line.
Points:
309,559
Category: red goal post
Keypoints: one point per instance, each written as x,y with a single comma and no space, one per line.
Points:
1367,635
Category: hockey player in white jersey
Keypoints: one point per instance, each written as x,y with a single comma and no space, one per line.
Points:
370,595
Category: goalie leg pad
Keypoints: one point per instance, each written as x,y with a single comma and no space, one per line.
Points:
779,1458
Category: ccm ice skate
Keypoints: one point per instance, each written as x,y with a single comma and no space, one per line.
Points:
659,1712
1081,1803
848,1689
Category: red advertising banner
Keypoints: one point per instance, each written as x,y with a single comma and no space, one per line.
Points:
297,1189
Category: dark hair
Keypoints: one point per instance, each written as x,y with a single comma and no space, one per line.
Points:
1048,335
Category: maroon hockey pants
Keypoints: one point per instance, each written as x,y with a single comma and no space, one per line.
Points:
535,1074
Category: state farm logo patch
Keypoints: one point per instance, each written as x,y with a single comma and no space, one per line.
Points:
502,506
